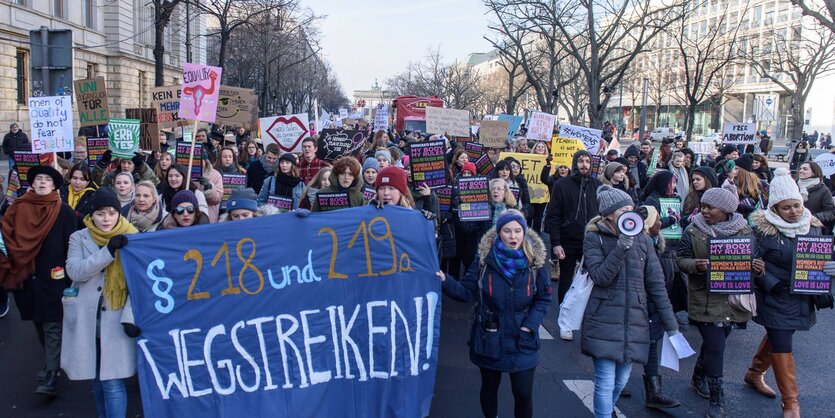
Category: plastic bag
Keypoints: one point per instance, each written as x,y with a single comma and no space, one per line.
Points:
574,304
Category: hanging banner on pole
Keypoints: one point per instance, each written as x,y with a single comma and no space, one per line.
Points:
286,131
201,88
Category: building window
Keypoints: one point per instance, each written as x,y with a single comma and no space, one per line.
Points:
90,13
21,2
21,79
758,15
92,69
59,9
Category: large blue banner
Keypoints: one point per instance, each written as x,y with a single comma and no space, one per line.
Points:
335,314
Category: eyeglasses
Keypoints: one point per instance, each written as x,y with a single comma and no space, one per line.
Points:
179,210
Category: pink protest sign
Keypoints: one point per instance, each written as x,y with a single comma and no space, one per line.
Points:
201,87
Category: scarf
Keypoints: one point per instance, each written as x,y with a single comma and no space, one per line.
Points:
509,260
73,197
805,185
284,184
790,230
269,168
720,229
232,169
683,182
115,290
126,200
144,220
25,226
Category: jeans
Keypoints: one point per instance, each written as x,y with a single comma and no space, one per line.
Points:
609,380
111,398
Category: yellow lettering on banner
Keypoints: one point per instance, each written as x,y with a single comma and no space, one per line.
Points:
563,149
531,169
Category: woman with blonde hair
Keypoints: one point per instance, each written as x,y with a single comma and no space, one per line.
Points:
321,180
752,191
166,160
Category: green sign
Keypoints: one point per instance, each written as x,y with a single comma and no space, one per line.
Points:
670,206
123,138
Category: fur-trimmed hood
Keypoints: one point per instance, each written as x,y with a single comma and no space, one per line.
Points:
539,251
767,228
263,210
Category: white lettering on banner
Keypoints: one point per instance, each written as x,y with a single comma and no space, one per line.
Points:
298,352
589,136
738,133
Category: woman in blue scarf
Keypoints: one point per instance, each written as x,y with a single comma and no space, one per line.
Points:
511,282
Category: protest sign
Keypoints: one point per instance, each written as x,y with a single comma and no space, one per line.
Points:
96,147
14,186
236,106
453,122
286,131
827,163
738,133
563,149
368,193
653,162
182,157
50,121
148,126
531,165
670,206
166,101
23,162
513,123
444,199
483,165
333,201
201,88
91,99
702,148
540,126
303,323
232,182
493,133
595,165
474,195
381,118
337,143
808,277
474,150
730,265
284,204
428,163
343,113
590,137
123,137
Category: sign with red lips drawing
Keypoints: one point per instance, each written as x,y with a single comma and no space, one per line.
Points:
286,131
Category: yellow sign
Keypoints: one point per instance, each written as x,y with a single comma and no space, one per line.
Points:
531,169
563,149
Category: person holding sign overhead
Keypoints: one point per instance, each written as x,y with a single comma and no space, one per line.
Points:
779,310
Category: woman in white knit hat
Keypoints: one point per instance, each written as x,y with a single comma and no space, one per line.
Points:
778,310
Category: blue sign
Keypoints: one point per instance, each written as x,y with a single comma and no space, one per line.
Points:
335,314
513,123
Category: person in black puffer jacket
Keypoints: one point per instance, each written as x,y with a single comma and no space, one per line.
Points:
816,196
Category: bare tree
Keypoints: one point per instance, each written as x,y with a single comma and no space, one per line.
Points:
573,95
457,84
163,9
823,13
510,59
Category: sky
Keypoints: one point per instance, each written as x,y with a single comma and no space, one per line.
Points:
366,40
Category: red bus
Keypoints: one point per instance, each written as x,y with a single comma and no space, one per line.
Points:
410,112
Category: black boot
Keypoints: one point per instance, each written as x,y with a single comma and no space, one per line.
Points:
654,397
698,381
717,398
48,387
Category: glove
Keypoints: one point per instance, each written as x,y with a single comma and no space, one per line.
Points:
625,241
302,213
131,330
116,242
428,215
137,161
106,158
829,268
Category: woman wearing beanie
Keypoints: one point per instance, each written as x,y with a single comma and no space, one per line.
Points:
185,211
285,182
146,211
175,182
383,156
778,310
370,169
615,175
123,186
625,272
99,333
752,192
701,179
711,312
36,230
345,178
510,279
242,204
816,196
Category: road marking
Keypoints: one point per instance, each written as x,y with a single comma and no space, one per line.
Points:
584,389
544,334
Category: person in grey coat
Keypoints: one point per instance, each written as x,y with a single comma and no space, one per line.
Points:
626,273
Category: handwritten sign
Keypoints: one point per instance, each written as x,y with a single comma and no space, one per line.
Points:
148,126
513,123
453,122
738,133
590,137
474,150
474,195
428,163
808,278
123,137
827,163
541,126
381,117
96,147
333,201
493,133
288,327
286,131
182,157
91,99
531,169
702,148
670,206
563,149
730,265
50,121
201,88
338,143
24,161
166,101
284,204
232,182
236,106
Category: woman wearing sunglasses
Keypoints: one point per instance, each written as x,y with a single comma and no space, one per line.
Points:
184,212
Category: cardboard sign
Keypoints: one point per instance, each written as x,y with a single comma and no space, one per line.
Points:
286,131
474,195
513,123
453,122
96,147
201,88
232,182
337,143
444,199
50,121
738,133
166,102
284,204
123,137
541,126
236,106
148,127
670,206
808,278
381,117
531,169
91,100
474,150
730,265
182,156
484,165
591,137
23,162
428,163
563,149
493,133
653,162
333,201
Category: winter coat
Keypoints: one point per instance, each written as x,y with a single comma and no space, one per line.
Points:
616,322
141,173
79,346
16,142
776,307
263,210
354,192
821,205
255,175
268,189
40,297
573,203
160,215
214,195
509,304
703,305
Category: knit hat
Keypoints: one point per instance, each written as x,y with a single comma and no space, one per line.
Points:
468,166
746,161
104,198
184,196
385,153
371,163
610,199
727,149
288,157
510,216
392,176
632,151
242,199
782,187
652,216
722,199
708,173
611,168
57,178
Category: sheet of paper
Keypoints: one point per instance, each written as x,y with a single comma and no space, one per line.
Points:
681,346
669,358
